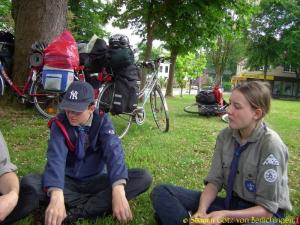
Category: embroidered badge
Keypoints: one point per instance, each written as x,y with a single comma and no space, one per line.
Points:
271,160
250,186
270,175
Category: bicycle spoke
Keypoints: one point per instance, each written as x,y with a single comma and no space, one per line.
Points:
45,102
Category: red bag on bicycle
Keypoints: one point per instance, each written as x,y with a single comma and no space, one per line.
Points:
62,52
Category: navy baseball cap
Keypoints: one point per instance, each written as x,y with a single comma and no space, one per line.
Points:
78,97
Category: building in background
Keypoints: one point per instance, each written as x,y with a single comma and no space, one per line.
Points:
163,71
283,80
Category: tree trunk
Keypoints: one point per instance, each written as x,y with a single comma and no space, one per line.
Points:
169,90
265,68
220,57
149,31
147,55
35,20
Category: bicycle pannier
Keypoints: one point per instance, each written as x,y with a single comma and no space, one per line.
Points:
130,72
57,79
206,97
120,57
125,96
96,59
62,52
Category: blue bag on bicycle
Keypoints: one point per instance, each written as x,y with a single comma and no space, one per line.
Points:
57,80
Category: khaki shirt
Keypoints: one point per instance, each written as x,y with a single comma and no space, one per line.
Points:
262,171
5,164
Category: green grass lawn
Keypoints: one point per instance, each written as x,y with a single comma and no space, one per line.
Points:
182,156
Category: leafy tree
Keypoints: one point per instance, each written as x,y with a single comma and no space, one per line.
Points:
225,55
188,67
267,27
6,21
142,16
221,49
291,41
155,52
191,25
87,19
183,28
238,53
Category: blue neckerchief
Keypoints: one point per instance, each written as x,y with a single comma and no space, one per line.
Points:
80,144
233,169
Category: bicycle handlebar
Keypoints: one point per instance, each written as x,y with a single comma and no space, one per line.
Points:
153,64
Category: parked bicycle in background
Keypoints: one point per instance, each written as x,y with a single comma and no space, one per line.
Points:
209,103
109,68
45,102
151,92
118,90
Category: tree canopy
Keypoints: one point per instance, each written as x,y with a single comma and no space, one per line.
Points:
267,28
183,28
291,37
87,19
188,67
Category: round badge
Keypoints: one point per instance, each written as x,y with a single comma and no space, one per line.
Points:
270,175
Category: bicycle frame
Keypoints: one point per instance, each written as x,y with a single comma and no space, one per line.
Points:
148,88
151,91
20,90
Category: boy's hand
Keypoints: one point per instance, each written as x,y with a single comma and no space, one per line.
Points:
120,205
56,211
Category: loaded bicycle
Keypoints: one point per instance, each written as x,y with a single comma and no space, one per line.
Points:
151,91
209,103
45,102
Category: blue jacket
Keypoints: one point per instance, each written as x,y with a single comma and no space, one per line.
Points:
104,154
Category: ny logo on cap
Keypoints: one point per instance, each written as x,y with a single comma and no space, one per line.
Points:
73,95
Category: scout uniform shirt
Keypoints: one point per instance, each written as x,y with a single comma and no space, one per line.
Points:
262,171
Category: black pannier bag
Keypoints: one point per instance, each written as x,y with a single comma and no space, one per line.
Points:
206,98
130,72
120,57
6,50
96,59
125,96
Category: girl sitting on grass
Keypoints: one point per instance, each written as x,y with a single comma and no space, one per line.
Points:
249,162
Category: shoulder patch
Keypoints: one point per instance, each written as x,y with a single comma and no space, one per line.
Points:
270,175
271,160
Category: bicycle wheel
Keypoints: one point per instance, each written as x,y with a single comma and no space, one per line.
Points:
194,108
45,102
121,122
159,109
